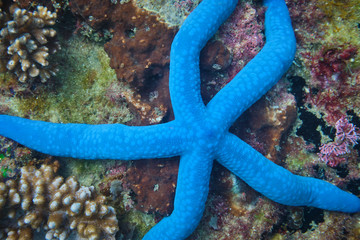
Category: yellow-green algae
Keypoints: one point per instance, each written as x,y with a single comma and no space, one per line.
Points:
142,222
340,29
172,13
79,95
341,25
88,173
297,163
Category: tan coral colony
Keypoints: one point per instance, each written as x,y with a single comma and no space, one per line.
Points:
26,41
40,199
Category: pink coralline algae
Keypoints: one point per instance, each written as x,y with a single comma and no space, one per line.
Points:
346,136
187,5
242,33
330,65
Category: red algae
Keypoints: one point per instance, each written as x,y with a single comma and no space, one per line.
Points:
332,88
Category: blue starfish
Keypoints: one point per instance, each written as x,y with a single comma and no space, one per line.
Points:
199,133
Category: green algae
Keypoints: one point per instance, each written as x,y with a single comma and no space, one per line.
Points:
79,92
345,9
88,173
297,163
341,25
141,223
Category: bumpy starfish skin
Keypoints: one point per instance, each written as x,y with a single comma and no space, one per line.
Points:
199,133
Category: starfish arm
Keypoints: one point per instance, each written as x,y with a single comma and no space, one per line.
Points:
191,193
262,72
198,28
104,141
280,185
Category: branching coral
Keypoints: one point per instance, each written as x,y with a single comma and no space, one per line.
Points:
26,42
42,199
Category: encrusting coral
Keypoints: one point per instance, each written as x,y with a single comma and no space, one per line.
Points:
26,42
40,199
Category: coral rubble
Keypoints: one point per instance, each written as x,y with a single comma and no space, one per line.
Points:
41,199
26,41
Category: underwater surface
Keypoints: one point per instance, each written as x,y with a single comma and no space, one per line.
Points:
103,61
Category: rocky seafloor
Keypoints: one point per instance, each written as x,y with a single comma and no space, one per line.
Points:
112,67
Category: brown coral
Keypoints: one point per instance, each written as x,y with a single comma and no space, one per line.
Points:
154,185
139,52
42,199
26,42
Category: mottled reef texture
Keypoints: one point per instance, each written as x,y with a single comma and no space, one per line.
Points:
39,199
288,125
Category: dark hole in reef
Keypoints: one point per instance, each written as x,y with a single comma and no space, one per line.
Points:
311,216
314,91
308,129
342,171
319,172
353,186
297,89
355,119
65,23
130,33
153,75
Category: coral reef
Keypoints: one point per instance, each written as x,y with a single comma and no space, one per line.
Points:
342,18
54,5
234,210
138,34
327,64
26,41
154,186
40,199
172,12
324,83
11,157
137,52
330,228
243,34
241,37
80,88
95,13
151,184
215,57
333,82
270,121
